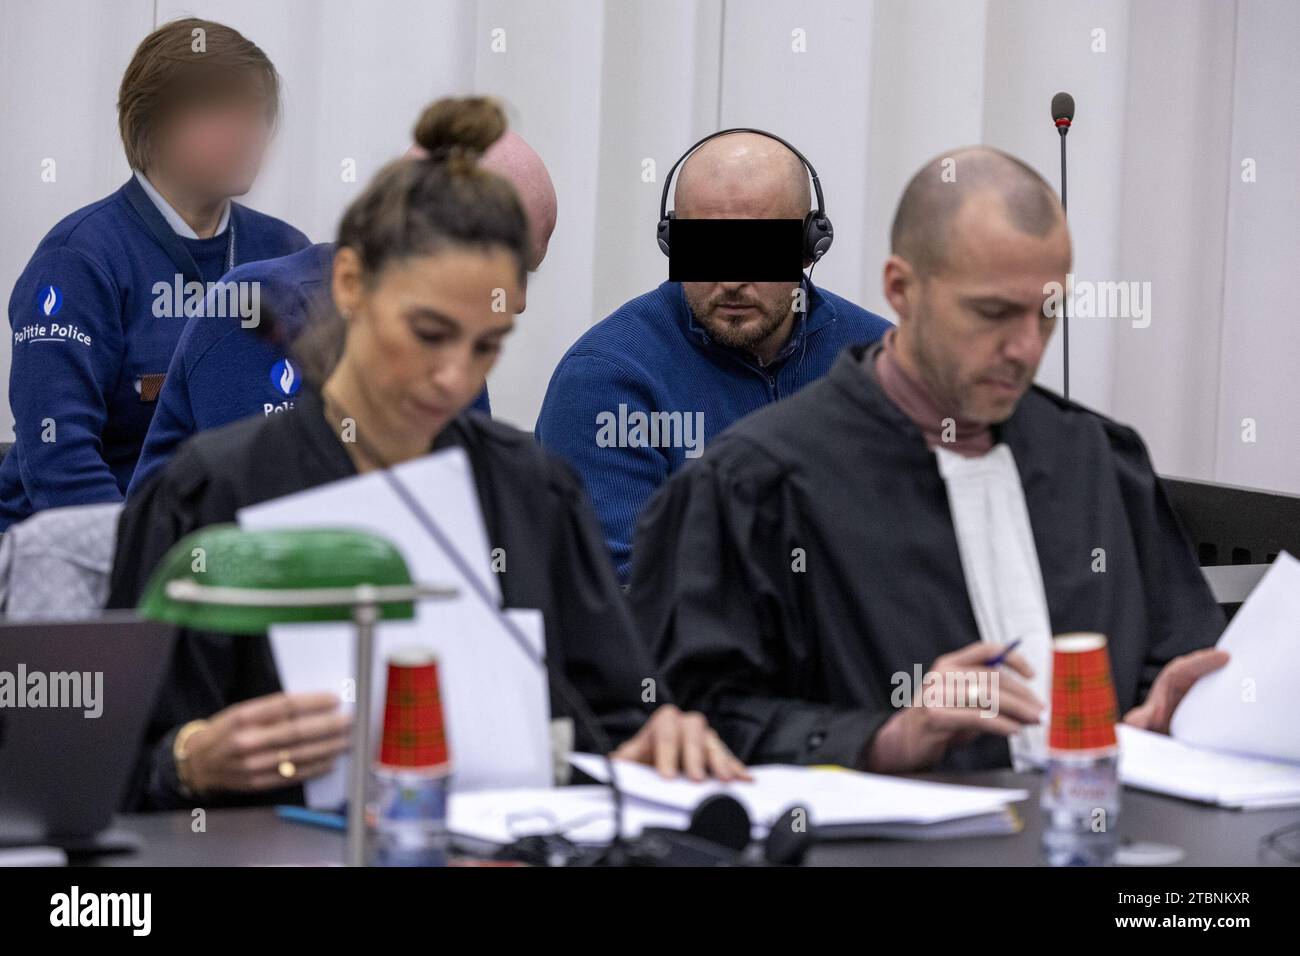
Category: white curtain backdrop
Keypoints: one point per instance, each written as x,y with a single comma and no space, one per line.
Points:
1184,157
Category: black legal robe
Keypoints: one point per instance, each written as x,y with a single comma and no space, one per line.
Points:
795,665
534,508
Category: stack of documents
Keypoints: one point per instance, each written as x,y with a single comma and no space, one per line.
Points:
841,804
1167,765
583,814
1235,737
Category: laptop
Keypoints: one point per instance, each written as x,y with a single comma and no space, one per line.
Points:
74,700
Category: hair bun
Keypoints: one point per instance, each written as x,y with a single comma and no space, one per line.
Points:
460,125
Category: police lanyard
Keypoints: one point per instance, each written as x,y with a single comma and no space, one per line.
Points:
166,237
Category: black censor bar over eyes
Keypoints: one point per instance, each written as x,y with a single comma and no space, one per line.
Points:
735,250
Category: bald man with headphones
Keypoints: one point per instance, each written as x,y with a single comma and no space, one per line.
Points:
640,393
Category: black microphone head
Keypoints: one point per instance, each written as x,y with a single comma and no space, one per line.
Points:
1063,107
790,838
721,819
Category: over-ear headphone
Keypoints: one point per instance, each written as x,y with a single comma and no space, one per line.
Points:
817,230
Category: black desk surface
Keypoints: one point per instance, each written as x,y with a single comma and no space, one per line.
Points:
1208,836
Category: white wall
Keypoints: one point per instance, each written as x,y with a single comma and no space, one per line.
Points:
1174,178
1182,93
1259,335
60,65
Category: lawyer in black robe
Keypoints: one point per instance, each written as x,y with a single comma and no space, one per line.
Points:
783,578
533,506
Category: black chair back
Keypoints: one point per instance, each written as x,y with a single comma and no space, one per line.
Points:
1237,532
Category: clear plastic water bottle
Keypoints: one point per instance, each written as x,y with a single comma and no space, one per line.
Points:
1080,802
408,819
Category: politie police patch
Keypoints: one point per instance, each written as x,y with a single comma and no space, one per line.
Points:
286,379
49,299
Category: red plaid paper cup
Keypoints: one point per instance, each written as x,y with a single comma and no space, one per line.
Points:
1084,709
415,734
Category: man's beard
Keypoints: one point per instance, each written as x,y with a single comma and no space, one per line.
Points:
743,334
940,375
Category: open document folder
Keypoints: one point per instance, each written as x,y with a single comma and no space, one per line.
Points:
1235,738
843,804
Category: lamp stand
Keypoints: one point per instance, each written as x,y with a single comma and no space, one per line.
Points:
364,615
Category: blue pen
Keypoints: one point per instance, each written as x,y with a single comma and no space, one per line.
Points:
314,818
1001,658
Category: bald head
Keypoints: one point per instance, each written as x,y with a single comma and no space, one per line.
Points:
511,158
742,176
923,224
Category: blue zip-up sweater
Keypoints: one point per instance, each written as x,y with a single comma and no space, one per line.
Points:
222,372
650,356
93,333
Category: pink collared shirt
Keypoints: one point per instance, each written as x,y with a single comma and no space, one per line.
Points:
915,400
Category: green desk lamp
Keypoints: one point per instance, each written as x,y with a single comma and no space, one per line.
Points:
223,578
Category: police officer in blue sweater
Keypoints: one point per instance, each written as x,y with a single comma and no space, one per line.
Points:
226,368
642,392
97,312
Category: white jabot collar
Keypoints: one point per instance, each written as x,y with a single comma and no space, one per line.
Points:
179,225
1003,579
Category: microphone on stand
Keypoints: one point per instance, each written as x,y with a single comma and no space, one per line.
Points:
1063,117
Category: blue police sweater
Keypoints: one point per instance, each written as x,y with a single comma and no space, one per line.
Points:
95,317
223,371
643,390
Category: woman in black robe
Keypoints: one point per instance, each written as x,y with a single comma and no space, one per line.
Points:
426,257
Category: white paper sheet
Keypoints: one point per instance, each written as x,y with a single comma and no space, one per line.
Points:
497,712
832,797
1252,705
496,698
442,483
583,814
1162,764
